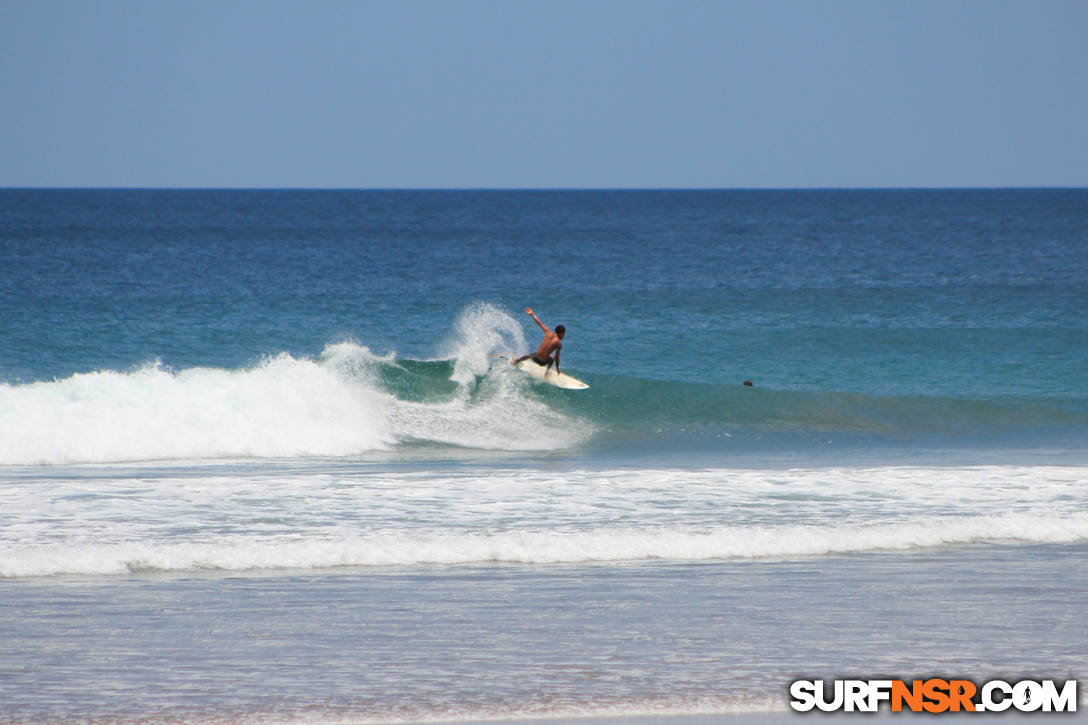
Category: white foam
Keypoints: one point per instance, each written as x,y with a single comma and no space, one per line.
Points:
481,331
285,407
315,515
282,407
532,547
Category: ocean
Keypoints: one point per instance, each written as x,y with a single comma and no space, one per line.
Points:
262,460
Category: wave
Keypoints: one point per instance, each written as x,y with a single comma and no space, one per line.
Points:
347,402
538,547
350,401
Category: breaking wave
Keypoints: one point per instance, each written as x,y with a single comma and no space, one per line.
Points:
349,401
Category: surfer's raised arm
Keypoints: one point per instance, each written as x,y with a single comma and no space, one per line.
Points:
529,311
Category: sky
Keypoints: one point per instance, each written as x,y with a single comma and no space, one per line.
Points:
547,94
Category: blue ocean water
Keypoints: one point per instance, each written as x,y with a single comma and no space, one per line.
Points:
260,458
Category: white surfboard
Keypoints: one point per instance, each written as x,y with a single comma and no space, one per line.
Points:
548,375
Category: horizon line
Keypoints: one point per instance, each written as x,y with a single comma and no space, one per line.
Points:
545,188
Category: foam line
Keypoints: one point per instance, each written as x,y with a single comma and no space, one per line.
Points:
536,547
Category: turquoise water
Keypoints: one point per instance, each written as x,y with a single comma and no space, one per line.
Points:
259,458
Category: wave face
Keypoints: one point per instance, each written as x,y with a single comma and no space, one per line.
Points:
699,409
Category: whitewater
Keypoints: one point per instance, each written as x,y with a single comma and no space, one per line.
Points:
112,521
342,403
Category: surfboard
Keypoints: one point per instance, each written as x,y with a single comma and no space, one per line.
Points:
548,375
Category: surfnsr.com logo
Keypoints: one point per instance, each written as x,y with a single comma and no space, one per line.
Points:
933,695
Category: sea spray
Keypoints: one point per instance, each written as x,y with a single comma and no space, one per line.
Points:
482,331
492,406
499,412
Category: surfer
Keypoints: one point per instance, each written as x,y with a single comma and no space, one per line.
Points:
552,343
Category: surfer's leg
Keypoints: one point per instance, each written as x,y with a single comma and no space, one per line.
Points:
523,357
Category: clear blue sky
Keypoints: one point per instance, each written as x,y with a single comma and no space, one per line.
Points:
554,93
